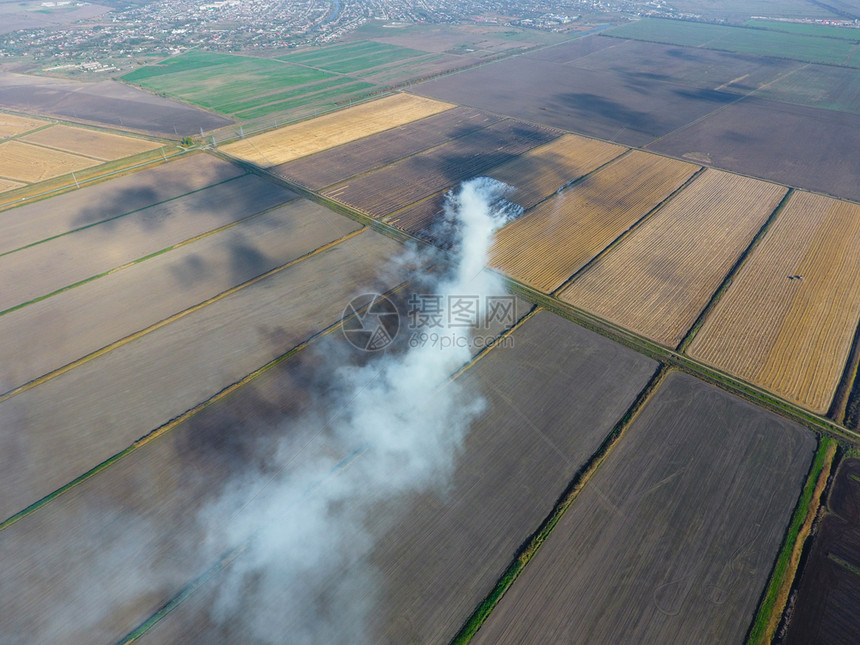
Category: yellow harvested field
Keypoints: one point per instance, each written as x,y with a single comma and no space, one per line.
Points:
23,162
10,125
562,234
294,141
6,184
542,171
659,278
787,321
101,145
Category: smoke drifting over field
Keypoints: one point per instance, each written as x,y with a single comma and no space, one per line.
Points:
381,430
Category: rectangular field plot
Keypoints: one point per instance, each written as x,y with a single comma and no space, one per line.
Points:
223,82
294,141
353,57
436,556
810,49
91,143
106,102
42,269
662,275
337,164
644,62
23,162
534,176
11,124
403,183
833,88
787,321
107,200
6,184
611,105
51,333
829,590
674,537
748,137
73,422
548,245
542,171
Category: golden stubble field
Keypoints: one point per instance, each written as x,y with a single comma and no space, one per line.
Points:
307,137
788,320
660,277
11,124
91,143
561,235
28,163
544,170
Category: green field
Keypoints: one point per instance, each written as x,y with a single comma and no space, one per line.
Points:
325,99
229,84
843,33
833,88
353,57
247,87
741,40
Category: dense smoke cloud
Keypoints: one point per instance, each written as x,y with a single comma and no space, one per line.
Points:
385,428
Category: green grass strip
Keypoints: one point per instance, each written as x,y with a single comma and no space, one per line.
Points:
763,627
341,91
483,611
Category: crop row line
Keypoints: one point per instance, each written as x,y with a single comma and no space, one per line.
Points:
172,318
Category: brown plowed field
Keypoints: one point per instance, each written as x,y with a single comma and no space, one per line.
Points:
552,398
549,244
661,276
337,164
72,423
673,538
403,183
91,204
307,137
44,268
787,321
74,323
825,610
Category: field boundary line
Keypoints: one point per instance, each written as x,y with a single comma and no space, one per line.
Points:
26,132
116,217
192,586
170,424
774,598
144,258
702,371
81,182
530,546
74,154
172,318
495,343
623,234
732,273
847,383
734,51
728,104
409,156
354,214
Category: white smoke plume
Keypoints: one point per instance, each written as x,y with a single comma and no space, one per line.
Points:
389,427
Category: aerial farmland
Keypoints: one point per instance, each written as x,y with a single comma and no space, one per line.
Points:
450,334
